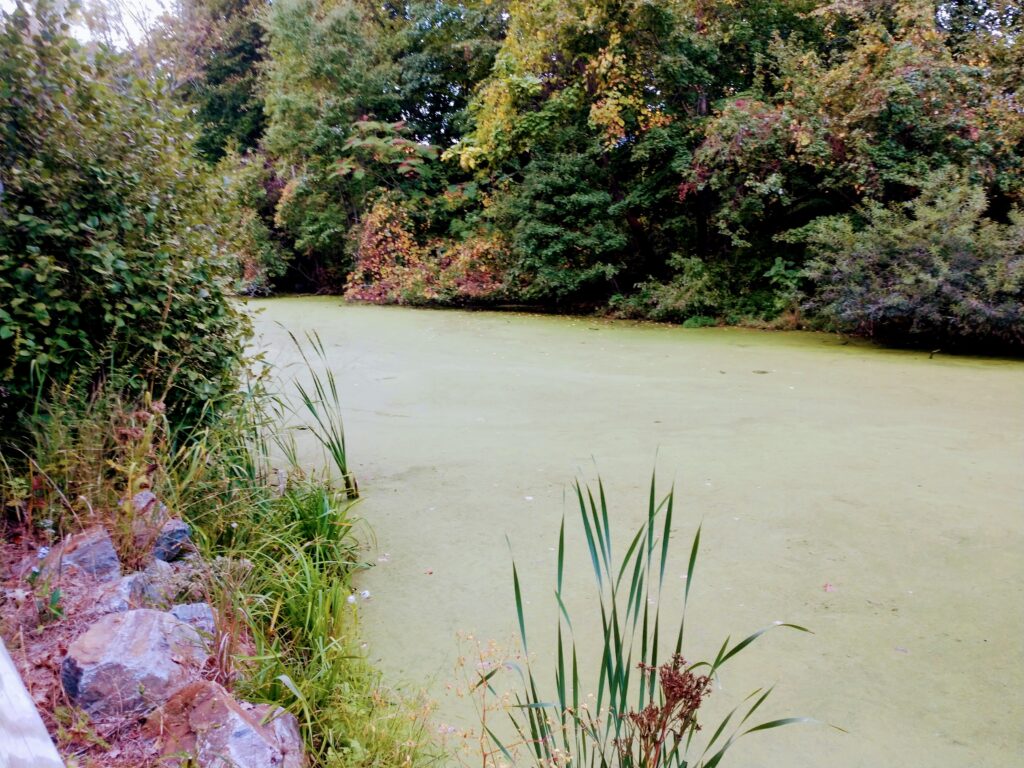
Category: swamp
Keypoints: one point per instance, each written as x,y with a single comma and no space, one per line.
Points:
850,489
511,383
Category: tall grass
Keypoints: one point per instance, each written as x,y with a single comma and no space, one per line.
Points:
322,403
281,542
644,714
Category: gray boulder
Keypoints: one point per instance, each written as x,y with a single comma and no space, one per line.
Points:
199,615
145,502
90,553
153,587
115,597
173,541
131,662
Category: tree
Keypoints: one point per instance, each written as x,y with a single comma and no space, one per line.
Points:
115,259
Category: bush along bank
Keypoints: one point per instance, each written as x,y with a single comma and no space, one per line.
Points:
788,163
175,597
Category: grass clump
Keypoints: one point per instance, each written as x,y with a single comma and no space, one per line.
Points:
648,696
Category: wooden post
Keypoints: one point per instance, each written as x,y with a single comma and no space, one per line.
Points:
24,742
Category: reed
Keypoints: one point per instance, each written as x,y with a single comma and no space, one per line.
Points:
645,712
323,403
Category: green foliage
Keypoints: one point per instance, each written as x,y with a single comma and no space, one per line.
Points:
933,268
322,402
695,291
328,68
645,713
110,257
252,190
443,50
383,151
585,146
229,103
566,235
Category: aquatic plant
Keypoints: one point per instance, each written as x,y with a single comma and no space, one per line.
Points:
645,713
323,403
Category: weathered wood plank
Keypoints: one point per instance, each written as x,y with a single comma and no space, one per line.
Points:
24,742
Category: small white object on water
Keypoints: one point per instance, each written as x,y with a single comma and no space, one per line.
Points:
365,594
528,498
351,600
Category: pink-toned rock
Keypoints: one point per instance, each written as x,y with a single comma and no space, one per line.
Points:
131,662
204,722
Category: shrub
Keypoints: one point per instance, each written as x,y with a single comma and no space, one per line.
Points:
472,269
567,234
389,261
109,255
695,291
931,270
392,267
250,185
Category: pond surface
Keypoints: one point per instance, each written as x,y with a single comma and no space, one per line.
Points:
873,496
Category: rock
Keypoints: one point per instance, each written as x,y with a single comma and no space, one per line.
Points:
199,615
232,569
153,587
128,663
158,586
90,552
146,503
203,721
116,597
173,541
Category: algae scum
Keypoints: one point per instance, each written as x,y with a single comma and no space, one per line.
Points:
872,496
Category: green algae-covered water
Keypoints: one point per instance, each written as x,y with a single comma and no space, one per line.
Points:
873,496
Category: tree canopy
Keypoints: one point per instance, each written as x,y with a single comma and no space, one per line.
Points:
670,159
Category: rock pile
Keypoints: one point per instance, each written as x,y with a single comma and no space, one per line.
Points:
144,655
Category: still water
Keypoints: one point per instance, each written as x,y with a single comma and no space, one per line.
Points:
873,496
